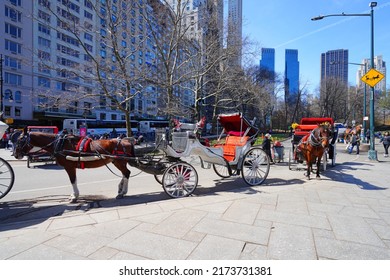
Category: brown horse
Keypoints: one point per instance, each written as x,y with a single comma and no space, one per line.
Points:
313,146
74,152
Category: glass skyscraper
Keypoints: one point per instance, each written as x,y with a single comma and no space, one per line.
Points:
291,75
334,64
267,61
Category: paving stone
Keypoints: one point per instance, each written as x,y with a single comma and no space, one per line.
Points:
84,245
105,216
238,231
44,252
242,212
354,229
330,197
345,250
114,229
215,208
18,244
179,223
324,207
290,242
294,219
138,210
253,252
127,256
104,253
71,222
153,246
154,218
217,248
363,211
318,232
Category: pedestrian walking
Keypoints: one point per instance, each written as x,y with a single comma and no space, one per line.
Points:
385,139
355,141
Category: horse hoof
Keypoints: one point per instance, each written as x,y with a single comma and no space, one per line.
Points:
119,196
318,178
72,199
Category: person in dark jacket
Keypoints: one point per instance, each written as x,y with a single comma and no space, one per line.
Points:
266,145
385,139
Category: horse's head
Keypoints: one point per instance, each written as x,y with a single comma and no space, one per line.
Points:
22,145
324,134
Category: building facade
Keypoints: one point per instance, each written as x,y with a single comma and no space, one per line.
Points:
379,65
334,64
235,29
291,76
267,61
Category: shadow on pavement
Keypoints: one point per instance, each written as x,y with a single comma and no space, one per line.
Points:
338,173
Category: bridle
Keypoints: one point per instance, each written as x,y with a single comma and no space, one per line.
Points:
315,140
23,144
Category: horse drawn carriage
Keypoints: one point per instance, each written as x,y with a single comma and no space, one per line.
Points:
7,176
313,140
236,155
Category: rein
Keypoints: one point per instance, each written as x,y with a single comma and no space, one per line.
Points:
316,141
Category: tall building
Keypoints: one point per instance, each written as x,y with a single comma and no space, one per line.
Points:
291,76
235,28
49,68
16,45
380,66
334,64
267,61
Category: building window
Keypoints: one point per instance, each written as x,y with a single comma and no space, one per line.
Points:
7,110
88,37
88,15
43,28
44,42
13,14
12,62
8,95
18,96
13,46
16,2
13,30
43,82
18,111
13,79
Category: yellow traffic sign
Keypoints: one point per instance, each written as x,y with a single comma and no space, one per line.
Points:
372,77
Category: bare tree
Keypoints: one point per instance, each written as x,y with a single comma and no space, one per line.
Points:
110,78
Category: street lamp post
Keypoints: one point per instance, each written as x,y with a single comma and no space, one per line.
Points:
372,154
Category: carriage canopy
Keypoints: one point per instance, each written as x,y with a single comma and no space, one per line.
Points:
237,123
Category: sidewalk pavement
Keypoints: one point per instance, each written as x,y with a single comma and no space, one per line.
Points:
345,215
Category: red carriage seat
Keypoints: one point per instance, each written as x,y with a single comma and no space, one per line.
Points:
229,148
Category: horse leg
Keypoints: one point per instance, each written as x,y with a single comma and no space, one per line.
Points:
73,180
124,183
318,167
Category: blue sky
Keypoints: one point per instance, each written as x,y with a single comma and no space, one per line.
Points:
287,24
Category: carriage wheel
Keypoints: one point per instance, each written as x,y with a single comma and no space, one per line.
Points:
7,177
255,167
222,171
179,180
